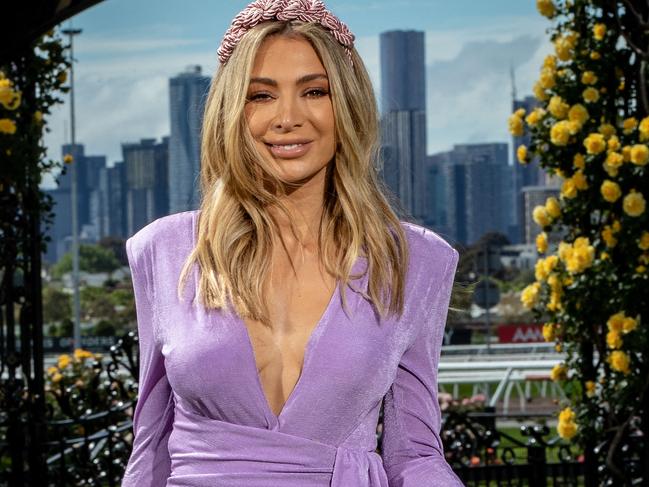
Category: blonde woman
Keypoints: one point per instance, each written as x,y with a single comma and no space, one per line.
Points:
275,320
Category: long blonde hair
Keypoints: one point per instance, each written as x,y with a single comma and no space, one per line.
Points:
235,232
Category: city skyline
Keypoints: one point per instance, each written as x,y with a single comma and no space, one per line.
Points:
122,71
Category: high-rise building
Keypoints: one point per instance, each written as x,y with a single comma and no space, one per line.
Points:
403,120
187,94
476,185
146,164
530,174
88,169
112,201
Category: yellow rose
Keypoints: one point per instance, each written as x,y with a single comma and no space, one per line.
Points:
614,159
616,321
599,31
607,130
607,236
549,332
639,154
52,370
590,95
56,378
640,269
541,217
634,203
566,415
68,158
610,170
579,161
564,45
611,191
552,207
553,280
539,92
578,113
595,55
595,143
619,361
542,242
629,125
613,143
629,324
550,61
7,126
588,78
643,243
644,129
568,189
64,361
559,372
81,354
530,295
546,80
589,385
560,133
521,154
516,127
557,107
540,273
545,8
580,180
613,339
567,430
535,116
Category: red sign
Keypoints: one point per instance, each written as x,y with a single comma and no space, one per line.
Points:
520,333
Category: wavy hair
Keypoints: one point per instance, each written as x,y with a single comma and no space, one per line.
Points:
235,231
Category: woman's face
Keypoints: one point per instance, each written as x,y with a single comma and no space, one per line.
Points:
289,109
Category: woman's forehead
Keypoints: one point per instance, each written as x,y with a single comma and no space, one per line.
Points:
287,55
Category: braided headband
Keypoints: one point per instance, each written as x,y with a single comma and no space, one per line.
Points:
264,10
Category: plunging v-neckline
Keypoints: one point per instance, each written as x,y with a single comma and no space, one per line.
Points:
316,332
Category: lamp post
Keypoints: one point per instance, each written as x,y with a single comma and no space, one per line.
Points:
75,218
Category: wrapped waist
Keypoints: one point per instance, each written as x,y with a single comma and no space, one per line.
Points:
209,452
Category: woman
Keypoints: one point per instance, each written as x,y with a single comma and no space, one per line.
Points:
275,320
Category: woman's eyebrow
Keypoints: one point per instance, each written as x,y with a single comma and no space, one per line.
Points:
304,79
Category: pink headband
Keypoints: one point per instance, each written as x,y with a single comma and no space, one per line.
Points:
264,10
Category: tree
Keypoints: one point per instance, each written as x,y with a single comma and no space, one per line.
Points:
92,259
56,305
592,130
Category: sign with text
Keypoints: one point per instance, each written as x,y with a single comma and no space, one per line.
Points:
520,333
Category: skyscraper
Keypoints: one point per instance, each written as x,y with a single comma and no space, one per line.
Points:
187,94
147,182
475,182
403,98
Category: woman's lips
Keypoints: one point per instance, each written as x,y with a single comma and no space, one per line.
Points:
290,151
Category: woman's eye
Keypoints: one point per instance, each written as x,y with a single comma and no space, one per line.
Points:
317,92
259,97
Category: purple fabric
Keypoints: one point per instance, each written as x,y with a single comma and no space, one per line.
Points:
202,418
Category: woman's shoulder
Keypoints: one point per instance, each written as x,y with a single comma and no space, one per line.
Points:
169,231
426,245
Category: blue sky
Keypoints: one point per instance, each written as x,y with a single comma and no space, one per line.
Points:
129,49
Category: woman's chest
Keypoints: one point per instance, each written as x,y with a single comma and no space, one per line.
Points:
210,361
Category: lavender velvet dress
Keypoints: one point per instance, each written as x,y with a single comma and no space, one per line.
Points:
202,419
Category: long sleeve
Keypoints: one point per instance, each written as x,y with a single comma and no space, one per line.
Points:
149,463
413,455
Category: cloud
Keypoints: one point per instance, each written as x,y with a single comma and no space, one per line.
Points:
469,97
121,99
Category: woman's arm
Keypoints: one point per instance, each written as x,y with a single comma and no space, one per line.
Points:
149,464
412,451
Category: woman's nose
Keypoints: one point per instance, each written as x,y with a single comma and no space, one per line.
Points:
289,114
